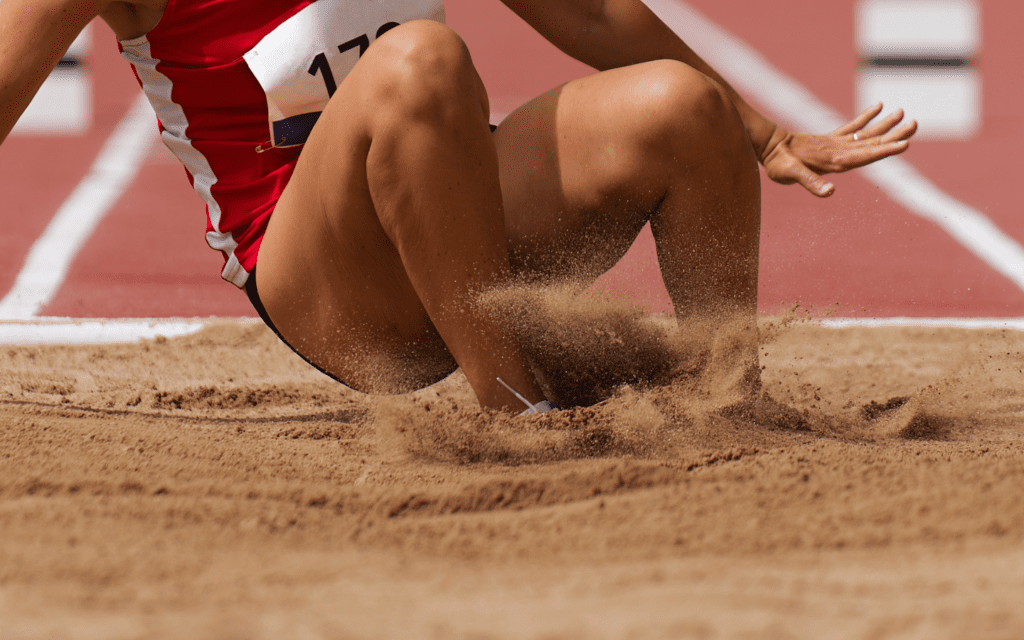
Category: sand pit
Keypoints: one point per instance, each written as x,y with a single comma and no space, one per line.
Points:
214,486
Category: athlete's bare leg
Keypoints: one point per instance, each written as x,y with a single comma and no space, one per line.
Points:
392,219
583,167
395,214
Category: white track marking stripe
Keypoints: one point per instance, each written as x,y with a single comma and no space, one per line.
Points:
1016,324
797,107
94,331
40,331
51,256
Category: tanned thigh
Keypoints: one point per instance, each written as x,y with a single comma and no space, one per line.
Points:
583,169
328,274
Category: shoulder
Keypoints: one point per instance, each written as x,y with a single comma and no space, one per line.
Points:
129,20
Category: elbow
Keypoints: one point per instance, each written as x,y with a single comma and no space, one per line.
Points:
595,17
589,37
605,30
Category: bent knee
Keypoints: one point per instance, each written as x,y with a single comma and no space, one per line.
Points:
423,70
675,103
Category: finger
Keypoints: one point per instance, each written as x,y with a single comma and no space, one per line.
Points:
867,154
881,127
903,133
820,187
812,181
860,121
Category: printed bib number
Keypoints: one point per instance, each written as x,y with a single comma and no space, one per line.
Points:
301,63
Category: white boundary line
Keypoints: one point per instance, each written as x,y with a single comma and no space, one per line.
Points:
111,173
792,103
40,331
69,331
100,330
1016,324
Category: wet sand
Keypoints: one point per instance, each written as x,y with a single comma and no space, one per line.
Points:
215,486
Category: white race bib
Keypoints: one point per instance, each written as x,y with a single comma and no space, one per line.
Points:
301,63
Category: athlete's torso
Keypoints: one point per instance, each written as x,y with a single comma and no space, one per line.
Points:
236,85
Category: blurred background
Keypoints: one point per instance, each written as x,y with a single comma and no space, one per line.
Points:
936,233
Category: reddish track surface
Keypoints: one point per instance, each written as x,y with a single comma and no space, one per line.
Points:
148,257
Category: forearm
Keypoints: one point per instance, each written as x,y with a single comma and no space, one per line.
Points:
606,34
33,36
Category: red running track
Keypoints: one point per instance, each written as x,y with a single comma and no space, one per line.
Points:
148,257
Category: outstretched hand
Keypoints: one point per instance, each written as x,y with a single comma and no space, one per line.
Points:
803,158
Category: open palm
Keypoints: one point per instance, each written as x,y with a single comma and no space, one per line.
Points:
804,158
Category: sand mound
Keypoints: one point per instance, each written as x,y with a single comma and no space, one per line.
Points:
150,490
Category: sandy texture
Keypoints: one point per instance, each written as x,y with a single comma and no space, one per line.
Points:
214,486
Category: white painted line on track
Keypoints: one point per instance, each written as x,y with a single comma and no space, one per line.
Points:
793,104
1016,324
111,173
69,331
94,331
